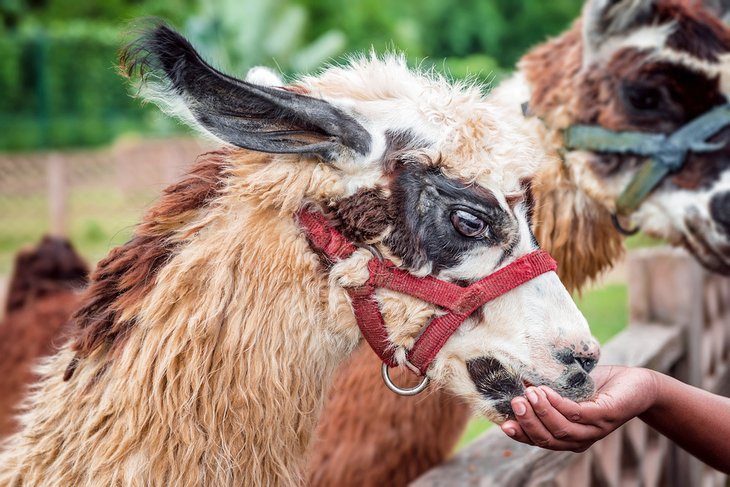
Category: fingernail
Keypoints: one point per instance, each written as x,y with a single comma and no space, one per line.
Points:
519,408
531,396
509,431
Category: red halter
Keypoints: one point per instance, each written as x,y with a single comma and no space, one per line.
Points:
459,301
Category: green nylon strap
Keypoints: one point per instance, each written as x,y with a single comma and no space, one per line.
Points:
665,153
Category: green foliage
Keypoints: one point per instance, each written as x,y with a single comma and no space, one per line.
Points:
60,87
239,34
500,29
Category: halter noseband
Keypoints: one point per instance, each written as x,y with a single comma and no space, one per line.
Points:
666,153
459,302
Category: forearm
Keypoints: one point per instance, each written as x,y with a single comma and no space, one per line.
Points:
696,420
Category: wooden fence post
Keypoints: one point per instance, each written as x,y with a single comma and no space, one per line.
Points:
57,193
666,286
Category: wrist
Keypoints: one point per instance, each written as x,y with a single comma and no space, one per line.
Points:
653,393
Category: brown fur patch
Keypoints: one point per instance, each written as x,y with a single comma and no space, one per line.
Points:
364,215
42,298
698,31
52,267
369,436
26,335
128,273
574,228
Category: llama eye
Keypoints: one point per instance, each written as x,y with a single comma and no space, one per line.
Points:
644,97
467,224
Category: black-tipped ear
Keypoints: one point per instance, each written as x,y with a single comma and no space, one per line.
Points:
255,117
603,19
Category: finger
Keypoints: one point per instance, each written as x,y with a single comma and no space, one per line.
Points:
513,429
528,429
553,420
569,409
530,422
566,419
586,412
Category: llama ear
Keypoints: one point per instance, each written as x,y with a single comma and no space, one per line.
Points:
603,19
247,115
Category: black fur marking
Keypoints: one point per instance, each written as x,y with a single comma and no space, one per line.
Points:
720,211
494,382
424,199
254,117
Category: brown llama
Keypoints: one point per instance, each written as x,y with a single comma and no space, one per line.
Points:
654,49
52,267
42,294
370,197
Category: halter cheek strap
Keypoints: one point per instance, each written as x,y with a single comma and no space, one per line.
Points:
665,153
459,302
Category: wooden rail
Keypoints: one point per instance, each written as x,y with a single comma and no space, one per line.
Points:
680,325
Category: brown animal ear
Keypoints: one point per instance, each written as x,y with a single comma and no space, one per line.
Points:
255,117
603,19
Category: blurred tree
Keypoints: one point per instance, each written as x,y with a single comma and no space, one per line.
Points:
501,29
15,12
238,34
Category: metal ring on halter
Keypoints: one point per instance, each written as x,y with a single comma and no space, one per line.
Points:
623,231
374,250
411,391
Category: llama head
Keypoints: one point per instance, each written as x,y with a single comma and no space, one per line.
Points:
415,168
653,66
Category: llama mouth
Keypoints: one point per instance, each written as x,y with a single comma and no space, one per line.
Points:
499,385
496,383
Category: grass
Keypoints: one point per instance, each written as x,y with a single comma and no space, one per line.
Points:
605,308
99,219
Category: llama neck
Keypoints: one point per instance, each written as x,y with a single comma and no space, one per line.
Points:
246,325
573,225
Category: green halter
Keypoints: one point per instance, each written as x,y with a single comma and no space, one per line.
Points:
665,153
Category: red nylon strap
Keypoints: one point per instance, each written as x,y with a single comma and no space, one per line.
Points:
460,301
322,237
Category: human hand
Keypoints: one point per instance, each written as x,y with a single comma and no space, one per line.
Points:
545,419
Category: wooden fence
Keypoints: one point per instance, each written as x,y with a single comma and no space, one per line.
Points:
679,325
89,194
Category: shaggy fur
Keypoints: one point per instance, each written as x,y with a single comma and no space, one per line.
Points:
571,219
43,294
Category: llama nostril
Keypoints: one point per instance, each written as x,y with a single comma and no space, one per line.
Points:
720,211
586,363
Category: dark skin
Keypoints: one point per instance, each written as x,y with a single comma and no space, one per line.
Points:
546,419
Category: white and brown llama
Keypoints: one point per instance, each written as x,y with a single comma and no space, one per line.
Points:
639,65
206,343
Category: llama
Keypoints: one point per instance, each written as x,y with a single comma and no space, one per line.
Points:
369,434
52,267
205,344
42,294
